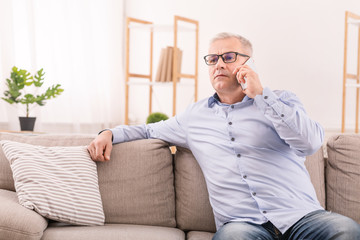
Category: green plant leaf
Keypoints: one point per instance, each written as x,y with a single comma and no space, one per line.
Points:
19,80
156,117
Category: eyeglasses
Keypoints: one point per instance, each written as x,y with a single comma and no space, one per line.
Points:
228,57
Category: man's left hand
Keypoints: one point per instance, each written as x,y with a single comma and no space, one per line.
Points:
254,86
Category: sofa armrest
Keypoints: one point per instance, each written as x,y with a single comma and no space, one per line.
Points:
18,222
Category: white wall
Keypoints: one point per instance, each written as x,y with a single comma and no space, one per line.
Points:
298,45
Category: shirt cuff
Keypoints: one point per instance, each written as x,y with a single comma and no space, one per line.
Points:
268,98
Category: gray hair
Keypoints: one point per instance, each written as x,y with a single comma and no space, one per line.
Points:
244,42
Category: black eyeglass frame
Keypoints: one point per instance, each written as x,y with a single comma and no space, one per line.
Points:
222,57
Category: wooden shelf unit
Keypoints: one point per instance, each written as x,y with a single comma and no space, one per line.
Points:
176,74
351,18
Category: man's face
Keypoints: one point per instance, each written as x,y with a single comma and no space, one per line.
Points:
221,74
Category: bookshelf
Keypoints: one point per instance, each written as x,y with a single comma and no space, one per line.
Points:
351,80
176,74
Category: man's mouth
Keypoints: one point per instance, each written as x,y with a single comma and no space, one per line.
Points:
219,75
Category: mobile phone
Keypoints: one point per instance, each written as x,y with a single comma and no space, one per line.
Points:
251,64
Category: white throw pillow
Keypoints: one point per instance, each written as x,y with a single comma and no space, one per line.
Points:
60,183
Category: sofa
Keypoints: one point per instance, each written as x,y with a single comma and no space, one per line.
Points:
148,192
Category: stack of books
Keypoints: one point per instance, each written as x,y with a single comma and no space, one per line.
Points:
165,68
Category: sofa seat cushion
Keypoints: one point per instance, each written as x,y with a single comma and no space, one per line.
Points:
196,235
343,175
112,232
18,222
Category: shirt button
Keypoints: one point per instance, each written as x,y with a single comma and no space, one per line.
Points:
232,106
282,115
245,177
232,139
265,97
254,193
230,123
238,155
264,212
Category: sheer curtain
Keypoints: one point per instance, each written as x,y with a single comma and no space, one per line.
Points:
79,43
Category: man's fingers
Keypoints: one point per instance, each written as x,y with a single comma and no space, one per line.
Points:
99,152
100,148
107,152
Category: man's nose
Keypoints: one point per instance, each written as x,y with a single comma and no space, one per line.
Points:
220,63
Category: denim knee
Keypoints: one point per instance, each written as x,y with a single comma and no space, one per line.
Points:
347,229
241,231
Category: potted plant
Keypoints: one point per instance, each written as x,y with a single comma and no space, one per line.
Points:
156,117
20,84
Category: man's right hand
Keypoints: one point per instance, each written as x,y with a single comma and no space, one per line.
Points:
100,148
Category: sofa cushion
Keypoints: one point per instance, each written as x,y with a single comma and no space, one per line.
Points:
137,184
193,210
17,222
6,179
112,232
59,183
196,235
343,175
315,164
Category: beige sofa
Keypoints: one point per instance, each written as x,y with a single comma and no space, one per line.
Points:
148,193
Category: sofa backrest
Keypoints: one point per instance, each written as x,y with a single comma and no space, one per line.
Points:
343,175
315,164
193,209
136,185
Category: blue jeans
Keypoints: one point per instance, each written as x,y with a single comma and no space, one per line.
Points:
320,225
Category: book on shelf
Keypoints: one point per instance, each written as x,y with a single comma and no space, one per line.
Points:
165,66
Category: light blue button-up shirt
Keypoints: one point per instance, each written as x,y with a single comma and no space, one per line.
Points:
252,155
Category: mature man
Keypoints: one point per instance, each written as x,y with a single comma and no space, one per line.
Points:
251,145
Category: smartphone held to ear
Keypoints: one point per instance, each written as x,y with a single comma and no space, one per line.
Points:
251,64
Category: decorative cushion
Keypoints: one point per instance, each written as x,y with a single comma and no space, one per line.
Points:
46,140
59,183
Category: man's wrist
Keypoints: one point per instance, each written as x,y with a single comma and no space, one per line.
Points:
112,136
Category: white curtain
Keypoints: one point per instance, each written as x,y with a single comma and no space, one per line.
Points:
79,44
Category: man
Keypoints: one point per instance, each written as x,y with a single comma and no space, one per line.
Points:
251,145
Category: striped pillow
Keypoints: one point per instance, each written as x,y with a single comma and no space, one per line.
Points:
59,183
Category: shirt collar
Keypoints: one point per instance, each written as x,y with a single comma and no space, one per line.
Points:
215,99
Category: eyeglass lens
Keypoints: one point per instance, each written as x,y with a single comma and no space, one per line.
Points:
227,58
